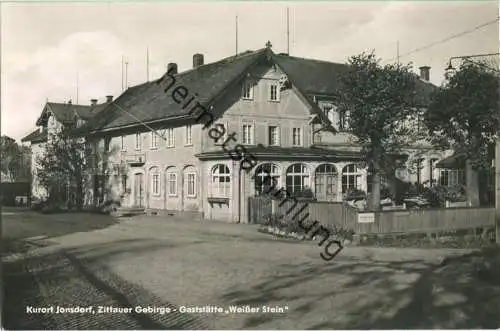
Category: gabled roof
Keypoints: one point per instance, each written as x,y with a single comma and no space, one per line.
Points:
148,102
65,112
315,77
35,136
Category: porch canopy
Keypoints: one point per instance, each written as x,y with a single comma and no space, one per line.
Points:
455,161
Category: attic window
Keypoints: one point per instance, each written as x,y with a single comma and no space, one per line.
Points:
247,91
274,92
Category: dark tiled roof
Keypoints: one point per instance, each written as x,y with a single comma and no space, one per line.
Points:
149,102
455,161
65,112
321,77
35,136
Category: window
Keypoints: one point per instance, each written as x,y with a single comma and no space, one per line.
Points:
296,137
351,178
343,120
451,177
107,143
297,178
221,181
172,184
329,112
170,138
189,137
124,183
274,138
123,143
262,182
138,142
247,91
221,127
155,181
247,134
154,139
191,184
273,92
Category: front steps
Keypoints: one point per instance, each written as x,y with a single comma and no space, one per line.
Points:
128,211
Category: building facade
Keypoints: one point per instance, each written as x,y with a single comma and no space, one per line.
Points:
201,141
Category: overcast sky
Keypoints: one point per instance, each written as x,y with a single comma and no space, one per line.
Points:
45,45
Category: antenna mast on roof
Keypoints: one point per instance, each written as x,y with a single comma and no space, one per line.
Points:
147,64
126,74
77,87
122,73
236,34
287,31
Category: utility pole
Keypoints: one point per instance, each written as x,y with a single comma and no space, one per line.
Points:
397,51
497,203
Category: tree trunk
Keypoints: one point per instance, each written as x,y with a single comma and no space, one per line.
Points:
375,203
472,185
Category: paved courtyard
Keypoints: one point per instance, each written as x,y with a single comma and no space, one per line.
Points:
175,263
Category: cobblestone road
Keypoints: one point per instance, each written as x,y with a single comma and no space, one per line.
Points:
157,262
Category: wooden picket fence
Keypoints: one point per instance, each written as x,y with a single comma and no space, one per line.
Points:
342,215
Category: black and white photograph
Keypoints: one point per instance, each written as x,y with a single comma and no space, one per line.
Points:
250,165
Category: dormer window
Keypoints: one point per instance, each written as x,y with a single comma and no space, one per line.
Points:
247,91
328,111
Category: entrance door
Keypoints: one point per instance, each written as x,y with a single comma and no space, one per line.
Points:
139,190
326,187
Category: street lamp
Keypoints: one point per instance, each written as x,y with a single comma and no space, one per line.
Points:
450,70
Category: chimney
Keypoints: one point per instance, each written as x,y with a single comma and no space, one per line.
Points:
109,98
93,102
424,73
197,60
172,68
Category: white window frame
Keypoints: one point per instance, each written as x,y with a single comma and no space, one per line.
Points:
300,136
123,149
276,85
171,175
170,137
155,179
138,141
188,135
303,174
356,174
193,194
251,136
278,142
154,140
247,86
218,190
261,176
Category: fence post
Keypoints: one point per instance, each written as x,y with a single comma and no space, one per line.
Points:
273,207
447,203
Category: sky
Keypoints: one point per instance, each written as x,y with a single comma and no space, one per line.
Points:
46,46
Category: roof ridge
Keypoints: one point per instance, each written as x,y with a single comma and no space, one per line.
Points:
226,59
308,59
